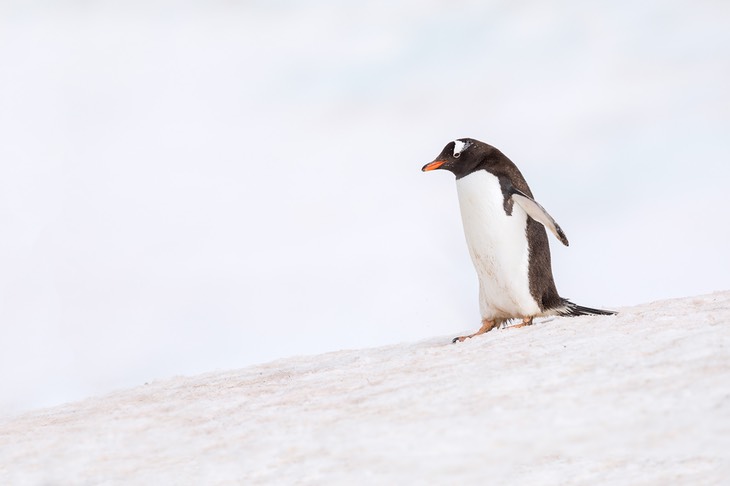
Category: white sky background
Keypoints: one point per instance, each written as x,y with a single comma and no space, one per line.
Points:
200,188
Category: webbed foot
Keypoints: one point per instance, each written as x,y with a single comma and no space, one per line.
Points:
486,327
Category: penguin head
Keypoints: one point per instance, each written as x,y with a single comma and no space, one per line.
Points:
461,157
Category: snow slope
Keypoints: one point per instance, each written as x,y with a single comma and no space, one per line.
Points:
638,398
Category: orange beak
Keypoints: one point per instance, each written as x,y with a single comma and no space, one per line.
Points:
433,165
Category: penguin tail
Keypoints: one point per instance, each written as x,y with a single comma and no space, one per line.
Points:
570,309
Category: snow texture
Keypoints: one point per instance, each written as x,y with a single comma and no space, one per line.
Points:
638,398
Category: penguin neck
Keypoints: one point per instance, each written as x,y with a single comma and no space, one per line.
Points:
499,166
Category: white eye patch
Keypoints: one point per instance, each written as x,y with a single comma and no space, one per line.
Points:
459,147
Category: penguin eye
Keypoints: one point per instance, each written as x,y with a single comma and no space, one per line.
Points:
459,147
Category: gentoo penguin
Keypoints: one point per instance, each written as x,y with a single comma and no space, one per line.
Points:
505,232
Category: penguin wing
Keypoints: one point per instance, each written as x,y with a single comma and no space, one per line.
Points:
538,213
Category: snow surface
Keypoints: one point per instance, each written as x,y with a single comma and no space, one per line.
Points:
638,398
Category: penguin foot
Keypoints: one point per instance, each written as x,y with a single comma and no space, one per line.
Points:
526,321
486,327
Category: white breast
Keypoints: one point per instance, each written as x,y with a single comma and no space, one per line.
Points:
498,247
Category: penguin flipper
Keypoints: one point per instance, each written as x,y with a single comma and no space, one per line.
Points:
539,214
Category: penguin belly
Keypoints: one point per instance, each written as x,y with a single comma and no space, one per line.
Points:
498,248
